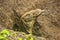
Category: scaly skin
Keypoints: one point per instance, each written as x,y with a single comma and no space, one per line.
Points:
30,17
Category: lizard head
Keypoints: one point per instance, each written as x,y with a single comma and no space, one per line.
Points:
33,14
29,17
37,12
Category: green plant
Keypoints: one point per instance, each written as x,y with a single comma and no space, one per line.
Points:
19,38
29,37
4,34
